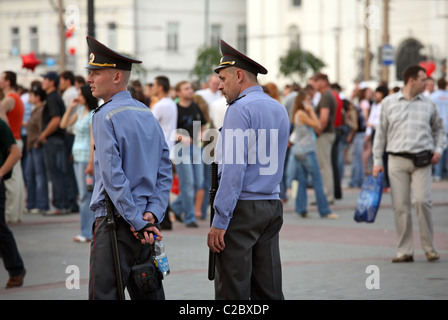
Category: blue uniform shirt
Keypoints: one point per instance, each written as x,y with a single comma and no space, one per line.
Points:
131,160
250,152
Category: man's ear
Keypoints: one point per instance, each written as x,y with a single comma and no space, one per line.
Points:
117,77
240,75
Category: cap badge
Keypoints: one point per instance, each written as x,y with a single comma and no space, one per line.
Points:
227,62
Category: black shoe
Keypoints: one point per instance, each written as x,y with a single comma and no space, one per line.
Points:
166,224
192,225
178,218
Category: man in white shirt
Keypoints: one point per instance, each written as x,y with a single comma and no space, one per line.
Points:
69,92
217,111
165,110
211,94
411,131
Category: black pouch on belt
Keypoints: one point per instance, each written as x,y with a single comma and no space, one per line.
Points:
147,276
422,159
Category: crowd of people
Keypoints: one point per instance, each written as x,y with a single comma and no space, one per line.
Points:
49,127
329,129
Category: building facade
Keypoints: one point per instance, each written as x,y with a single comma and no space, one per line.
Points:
338,32
166,35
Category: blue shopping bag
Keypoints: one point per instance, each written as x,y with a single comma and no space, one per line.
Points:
369,199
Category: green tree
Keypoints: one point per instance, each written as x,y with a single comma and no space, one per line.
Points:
299,63
207,59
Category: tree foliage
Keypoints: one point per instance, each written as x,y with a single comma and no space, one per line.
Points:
299,63
207,59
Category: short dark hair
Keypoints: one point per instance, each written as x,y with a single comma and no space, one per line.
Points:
11,77
37,90
321,76
441,83
68,75
80,79
164,82
383,89
412,71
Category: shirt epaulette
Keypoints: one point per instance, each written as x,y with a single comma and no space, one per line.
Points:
99,107
236,100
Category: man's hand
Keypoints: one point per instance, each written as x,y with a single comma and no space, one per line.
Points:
215,239
42,139
376,170
147,233
436,157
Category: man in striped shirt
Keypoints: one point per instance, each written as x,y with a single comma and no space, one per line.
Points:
409,126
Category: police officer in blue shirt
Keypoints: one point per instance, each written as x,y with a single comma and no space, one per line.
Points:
131,164
250,153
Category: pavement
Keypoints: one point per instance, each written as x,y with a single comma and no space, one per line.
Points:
321,259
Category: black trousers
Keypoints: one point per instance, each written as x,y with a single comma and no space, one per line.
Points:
249,267
102,281
8,248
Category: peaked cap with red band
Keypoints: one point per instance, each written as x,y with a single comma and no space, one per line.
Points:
233,58
101,57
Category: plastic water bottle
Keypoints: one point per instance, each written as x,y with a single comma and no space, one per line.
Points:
160,257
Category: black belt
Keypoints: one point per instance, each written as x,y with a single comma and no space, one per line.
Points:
403,154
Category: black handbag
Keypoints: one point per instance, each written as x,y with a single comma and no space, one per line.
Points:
422,159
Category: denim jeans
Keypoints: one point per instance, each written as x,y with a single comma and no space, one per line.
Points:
441,167
284,177
72,186
36,177
56,166
191,178
301,170
87,216
310,167
205,203
357,177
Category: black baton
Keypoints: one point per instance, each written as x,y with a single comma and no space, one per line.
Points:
213,189
113,239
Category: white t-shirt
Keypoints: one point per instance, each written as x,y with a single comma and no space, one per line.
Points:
209,96
165,111
218,111
67,96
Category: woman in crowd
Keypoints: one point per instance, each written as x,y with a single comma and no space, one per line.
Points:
374,117
303,159
82,154
360,148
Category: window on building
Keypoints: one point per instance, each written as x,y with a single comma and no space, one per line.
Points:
173,36
15,41
242,38
112,34
34,39
297,3
215,35
294,37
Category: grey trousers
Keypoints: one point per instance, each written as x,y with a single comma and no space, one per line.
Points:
402,175
249,267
